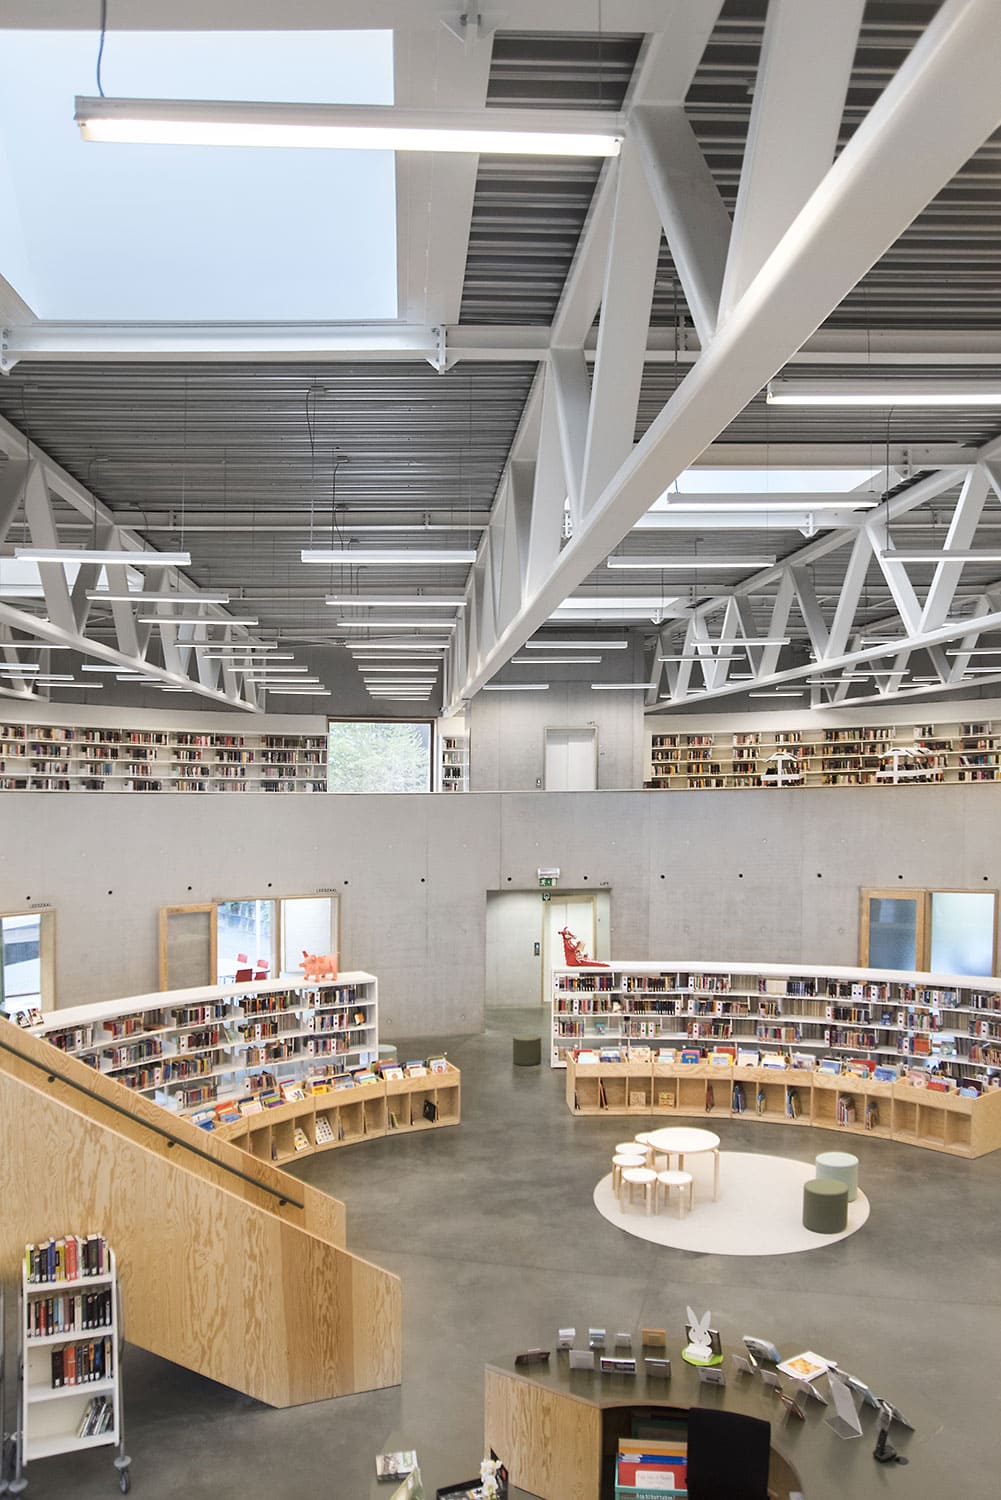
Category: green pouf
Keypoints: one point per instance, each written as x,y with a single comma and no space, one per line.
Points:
842,1166
825,1205
527,1051
387,1052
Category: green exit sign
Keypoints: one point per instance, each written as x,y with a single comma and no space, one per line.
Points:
546,882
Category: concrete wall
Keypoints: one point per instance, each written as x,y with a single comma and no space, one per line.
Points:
714,875
507,734
515,923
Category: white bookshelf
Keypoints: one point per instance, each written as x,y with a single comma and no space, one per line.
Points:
82,758
965,750
884,1015
453,763
50,1414
191,1049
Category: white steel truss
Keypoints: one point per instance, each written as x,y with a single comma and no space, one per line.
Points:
781,276
38,495
730,631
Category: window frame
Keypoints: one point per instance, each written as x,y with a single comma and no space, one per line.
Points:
429,720
923,896
46,953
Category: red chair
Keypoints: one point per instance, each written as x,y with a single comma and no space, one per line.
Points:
262,968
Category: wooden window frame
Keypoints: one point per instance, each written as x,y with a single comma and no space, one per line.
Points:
923,896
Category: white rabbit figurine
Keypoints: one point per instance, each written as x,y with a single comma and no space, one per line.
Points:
488,1479
699,1350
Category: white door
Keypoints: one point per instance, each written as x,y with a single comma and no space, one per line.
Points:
575,912
571,760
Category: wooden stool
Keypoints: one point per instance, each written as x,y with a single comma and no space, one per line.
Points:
651,1151
680,1180
620,1161
634,1177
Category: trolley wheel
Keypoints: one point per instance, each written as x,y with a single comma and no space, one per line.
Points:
125,1481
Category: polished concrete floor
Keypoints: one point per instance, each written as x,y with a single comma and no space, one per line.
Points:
492,1228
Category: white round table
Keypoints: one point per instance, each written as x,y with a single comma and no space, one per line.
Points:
682,1141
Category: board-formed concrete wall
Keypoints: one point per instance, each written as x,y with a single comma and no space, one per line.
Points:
770,876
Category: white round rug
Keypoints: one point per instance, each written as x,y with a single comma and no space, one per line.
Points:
760,1209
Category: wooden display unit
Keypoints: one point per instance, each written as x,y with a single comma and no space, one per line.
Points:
344,1117
71,758
190,1049
862,755
907,1113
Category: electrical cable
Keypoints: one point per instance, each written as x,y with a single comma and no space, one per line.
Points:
100,47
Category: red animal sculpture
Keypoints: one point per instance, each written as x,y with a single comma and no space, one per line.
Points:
319,965
574,954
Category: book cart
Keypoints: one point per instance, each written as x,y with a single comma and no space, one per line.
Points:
69,1397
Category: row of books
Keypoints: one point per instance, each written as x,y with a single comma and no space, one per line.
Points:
266,1093
651,1465
98,1416
68,1259
81,1363
68,1313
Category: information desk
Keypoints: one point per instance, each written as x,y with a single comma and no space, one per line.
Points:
558,1430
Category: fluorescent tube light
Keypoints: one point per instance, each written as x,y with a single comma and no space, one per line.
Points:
395,601
93,666
230,655
884,393
618,601
428,671
690,563
956,555
298,692
11,669
54,677
681,504
396,625
105,556
515,687
87,686
575,645
776,640
778,693
619,687
977,651
390,556
552,661
133,677
195,620
140,596
337,127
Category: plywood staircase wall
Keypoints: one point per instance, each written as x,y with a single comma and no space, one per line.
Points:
228,1266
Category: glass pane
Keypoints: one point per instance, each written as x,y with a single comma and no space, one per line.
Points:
962,932
383,757
244,939
22,969
189,949
893,932
307,925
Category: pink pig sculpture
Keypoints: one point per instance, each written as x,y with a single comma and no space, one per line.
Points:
319,965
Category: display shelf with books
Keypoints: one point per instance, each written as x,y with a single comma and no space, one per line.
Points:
862,755
319,1114
192,1049
40,757
879,1052
453,763
70,1396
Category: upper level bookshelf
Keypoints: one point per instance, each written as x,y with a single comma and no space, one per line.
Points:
76,758
862,755
188,1049
453,767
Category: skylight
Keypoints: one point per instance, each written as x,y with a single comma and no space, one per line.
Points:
774,481
178,233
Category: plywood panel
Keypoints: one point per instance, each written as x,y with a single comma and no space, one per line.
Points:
211,1279
550,1442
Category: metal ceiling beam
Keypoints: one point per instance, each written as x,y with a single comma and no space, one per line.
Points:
405,342
909,146
319,15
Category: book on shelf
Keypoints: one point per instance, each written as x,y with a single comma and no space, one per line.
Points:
806,1366
437,1064
70,1258
98,1416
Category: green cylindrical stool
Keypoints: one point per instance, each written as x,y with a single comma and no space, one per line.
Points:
825,1205
842,1166
527,1051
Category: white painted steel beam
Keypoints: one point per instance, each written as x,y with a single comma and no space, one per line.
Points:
799,97
911,143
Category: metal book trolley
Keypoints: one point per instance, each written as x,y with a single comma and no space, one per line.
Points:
69,1373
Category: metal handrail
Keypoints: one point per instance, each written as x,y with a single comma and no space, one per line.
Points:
54,1073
